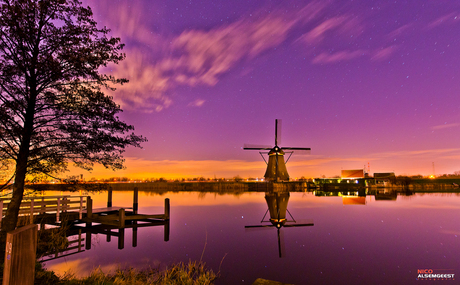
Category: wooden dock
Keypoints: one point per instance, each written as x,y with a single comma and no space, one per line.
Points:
76,215
79,209
117,216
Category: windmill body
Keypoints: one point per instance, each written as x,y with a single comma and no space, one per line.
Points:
276,168
276,165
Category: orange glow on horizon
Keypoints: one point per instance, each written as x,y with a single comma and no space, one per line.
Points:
309,166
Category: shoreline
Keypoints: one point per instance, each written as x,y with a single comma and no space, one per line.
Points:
416,185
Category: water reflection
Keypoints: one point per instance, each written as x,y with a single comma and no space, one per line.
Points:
75,232
359,197
384,242
385,194
277,203
348,197
79,237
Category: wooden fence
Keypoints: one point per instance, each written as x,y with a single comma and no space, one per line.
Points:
41,205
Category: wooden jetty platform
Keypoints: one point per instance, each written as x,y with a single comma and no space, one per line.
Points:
76,215
118,216
79,209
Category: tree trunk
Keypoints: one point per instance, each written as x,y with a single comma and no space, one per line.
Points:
11,215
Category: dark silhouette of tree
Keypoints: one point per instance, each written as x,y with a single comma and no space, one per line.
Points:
52,107
404,181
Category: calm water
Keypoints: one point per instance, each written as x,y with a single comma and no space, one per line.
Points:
353,240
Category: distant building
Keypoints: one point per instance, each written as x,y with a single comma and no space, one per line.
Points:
352,174
384,179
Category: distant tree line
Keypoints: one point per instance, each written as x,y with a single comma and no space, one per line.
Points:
399,180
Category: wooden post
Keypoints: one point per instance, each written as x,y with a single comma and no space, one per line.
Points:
135,234
20,256
89,215
43,206
32,211
58,209
121,217
64,204
109,198
89,207
121,238
88,237
167,209
80,212
79,240
136,200
166,231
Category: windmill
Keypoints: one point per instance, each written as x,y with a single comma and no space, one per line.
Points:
276,166
277,206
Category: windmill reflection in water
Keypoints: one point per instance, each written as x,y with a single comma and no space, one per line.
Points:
277,207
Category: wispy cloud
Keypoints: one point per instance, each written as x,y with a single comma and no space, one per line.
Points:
156,64
399,31
337,56
451,232
197,103
445,126
414,153
383,53
148,87
344,25
450,18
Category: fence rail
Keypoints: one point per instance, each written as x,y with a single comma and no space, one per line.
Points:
40,205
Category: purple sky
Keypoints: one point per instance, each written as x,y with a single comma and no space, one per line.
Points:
357,81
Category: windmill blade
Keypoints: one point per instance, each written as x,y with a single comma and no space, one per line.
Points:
278,131
298,225
301,221
256,147
259,226
281,244
297,150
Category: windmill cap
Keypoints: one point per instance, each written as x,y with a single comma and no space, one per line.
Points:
275,150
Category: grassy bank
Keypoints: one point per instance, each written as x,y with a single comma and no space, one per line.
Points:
190,273
55,240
